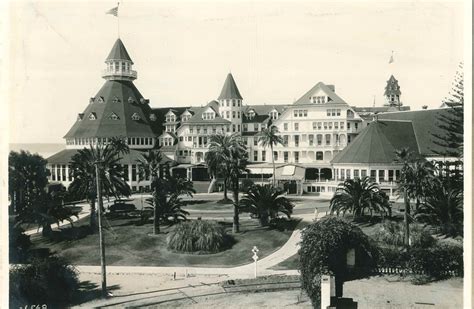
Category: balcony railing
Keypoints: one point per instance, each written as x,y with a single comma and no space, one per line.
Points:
113,73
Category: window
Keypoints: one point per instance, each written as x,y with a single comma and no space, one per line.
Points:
311,139
319,125
390,175
328,139
397,174
285,156
80,117
227,102
297,156
325,126
285,140
245,127
297,140
227,114
233,128
348,174
356,174
363,173
135,117
336,125
319,139
356,125
152,117
255,141
285,126
373,174
338,112
92,116
233,102
319,155
233,114
330,125
314,125
295,113
328,112
348,126
134,172
342,125
114,116
381,175
275,155
264,155
297,126
255,155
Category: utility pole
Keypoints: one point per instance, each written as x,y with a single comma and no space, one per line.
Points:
101,235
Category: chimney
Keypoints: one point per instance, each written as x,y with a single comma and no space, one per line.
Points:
332,87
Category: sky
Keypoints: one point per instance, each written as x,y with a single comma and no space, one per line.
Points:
276,51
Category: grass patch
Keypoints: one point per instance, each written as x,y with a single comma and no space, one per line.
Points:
129,244
290,263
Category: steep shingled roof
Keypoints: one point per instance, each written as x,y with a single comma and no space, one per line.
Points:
425,123
119,52
115,94
230,90
334,98
378,142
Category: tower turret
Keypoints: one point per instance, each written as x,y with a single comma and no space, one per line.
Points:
392,93
119,64
230,103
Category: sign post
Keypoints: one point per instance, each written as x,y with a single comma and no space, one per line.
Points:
255,258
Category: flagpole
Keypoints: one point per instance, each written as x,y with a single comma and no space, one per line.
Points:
118,20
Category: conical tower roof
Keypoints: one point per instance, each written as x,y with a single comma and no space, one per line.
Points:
392,86
118,109
119,52
378,142
230,90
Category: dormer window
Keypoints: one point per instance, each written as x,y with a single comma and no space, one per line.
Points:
131,100
208,116
170,117
115,100
135,117
100,99
91,100
142,101
92,116
251,114
80,117
319,99
153,117
114,116
274,115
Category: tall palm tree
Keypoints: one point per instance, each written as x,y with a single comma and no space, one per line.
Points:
421,175
112,175
270,137
358,196
118,143
404,156
266,202
220,145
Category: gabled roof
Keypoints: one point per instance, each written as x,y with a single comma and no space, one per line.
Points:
119,52
230,90
104,126
377,143
197,117
328,89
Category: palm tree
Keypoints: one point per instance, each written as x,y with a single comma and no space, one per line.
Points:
270,137
358,196
84,175
219,147
421,175
443,208
149,165
404,156
166,201
119,144
266,202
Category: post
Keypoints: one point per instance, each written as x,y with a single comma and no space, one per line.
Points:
101,235
255,258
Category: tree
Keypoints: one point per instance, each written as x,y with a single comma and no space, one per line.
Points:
442,208
270,137
166,202
266,202
404,156
358,196
84,175
219,147
119,144
452,123
419,176
27,179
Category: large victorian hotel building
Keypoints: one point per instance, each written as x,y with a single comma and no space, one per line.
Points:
325,140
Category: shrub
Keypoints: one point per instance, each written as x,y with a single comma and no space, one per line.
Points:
323,250
44,281
198,236
392,234
438,261
20,243
246,185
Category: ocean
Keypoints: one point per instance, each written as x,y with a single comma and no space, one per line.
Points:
43,149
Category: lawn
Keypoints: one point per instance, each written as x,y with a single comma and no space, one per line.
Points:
130,244
289,264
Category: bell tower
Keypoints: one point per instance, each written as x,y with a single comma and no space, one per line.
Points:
392,93
230,104
119,64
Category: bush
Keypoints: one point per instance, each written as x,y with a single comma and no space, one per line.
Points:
392,234
246,185
199,236
323,250
20,244
45,281
437,262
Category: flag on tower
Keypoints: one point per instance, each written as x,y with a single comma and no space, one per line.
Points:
391,58
113,11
